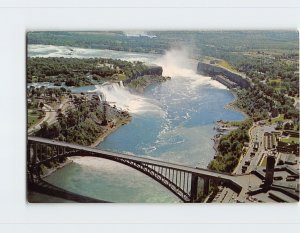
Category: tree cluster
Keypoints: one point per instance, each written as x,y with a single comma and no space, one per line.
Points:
80,72
230,148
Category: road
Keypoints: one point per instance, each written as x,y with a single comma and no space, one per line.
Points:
112,156
50,116
256,134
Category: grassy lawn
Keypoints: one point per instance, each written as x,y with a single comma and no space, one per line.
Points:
219,62
276,119
235,123
34,117
290,139
226,65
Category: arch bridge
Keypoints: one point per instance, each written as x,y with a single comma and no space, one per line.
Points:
184,181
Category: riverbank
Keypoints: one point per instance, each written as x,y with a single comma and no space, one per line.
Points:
222,128
48,171
110,130
232,105
227,130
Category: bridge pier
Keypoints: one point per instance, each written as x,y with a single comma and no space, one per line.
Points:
35,152
194,187
187,183
30,152
206,186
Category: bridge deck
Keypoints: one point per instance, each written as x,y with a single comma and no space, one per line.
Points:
108,155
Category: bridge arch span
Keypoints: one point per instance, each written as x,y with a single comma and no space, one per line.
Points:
179,179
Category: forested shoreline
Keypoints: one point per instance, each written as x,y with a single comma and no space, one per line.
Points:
83,72
269,59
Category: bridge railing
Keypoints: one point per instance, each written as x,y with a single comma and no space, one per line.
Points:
182,180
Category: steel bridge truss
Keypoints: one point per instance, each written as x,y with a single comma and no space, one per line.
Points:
184,184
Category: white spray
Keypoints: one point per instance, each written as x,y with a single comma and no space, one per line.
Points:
117,94
177,64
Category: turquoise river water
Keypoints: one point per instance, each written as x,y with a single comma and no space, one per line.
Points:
172,121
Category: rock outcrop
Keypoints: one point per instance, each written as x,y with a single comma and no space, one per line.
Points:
151,70
141,80
223,75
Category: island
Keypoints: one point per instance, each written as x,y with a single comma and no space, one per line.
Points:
84,118
259,68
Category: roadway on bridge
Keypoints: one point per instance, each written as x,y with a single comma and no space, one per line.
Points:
112,156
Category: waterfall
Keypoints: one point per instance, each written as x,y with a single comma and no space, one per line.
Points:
117,94
177,64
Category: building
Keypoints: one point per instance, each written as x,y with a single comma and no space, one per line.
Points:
269,141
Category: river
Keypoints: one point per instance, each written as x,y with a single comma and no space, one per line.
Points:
173,121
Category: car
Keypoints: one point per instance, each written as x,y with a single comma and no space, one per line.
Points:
290,178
